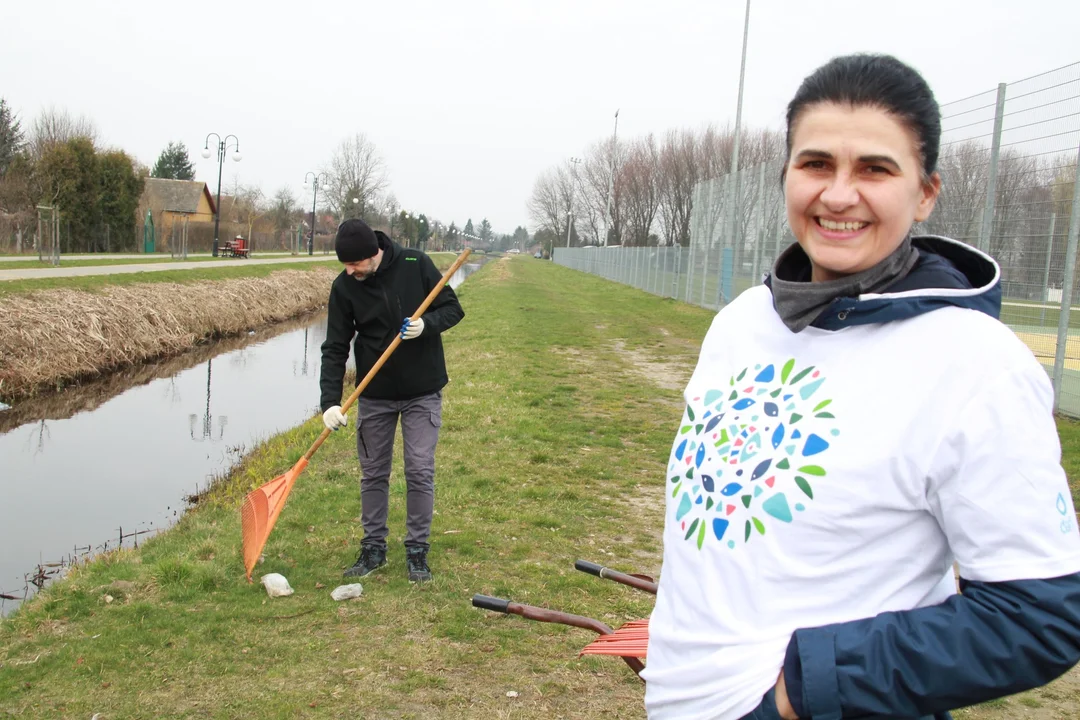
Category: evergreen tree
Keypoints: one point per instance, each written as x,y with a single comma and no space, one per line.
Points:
174,163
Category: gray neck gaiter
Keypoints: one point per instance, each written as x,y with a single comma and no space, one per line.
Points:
799,302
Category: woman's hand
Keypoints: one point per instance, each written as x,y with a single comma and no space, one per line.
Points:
783,705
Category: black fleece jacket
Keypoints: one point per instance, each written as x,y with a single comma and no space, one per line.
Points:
369,313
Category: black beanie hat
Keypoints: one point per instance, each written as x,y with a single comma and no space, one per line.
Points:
355,241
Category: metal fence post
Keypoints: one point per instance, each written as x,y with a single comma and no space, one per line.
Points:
656,270
676,275
991,184
1067,286
759,233
661,270
689,269
1046,273
701,204
729,240
728,203
779,233
648,267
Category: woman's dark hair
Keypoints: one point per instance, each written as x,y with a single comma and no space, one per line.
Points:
879,81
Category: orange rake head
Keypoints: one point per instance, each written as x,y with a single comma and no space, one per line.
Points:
631,640
260,511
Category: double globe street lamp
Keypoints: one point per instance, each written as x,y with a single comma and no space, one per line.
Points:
222,148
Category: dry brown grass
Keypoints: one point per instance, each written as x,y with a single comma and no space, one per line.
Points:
54,337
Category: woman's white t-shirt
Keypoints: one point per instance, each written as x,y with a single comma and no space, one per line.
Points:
820,477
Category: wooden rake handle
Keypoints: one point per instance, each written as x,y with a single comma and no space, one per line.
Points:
390,350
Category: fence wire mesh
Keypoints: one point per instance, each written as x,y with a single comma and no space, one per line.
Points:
1008,164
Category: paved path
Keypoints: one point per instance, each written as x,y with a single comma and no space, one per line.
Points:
56,272
116,256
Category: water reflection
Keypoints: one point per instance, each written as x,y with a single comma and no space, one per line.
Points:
207,430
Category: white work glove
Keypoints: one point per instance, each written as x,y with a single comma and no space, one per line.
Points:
412,328
334,418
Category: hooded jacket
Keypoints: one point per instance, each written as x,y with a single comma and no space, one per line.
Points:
946,273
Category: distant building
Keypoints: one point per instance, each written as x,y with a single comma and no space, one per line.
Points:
171,201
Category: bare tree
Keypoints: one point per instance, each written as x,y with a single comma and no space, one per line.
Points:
246,205
659,182
678,174
285,210
714,152
964,169
641,182
548,205
54,126
390,205
596,182
356,171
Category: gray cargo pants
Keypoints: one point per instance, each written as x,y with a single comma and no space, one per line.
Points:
421,418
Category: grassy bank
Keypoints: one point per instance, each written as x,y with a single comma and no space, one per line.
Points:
50,339
84,326
565,392
97,283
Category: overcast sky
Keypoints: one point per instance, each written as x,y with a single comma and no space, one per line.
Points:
469,100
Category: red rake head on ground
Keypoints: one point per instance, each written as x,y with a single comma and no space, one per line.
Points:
263,505
631,640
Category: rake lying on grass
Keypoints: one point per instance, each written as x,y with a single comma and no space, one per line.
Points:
629,642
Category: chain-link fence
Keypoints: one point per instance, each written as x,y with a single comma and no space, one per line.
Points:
1008,164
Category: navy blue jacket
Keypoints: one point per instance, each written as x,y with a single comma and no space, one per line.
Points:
992,639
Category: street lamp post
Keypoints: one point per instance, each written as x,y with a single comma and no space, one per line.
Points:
611,178
734,198
573,188
221,150
314,198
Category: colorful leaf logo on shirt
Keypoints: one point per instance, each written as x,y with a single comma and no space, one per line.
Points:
748,455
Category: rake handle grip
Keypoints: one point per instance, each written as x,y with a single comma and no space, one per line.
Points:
588,567
486,602
393,346
614,575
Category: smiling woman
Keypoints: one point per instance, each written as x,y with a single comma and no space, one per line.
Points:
861,165
854,429
854,188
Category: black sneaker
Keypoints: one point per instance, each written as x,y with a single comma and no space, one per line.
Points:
416,559
371,558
